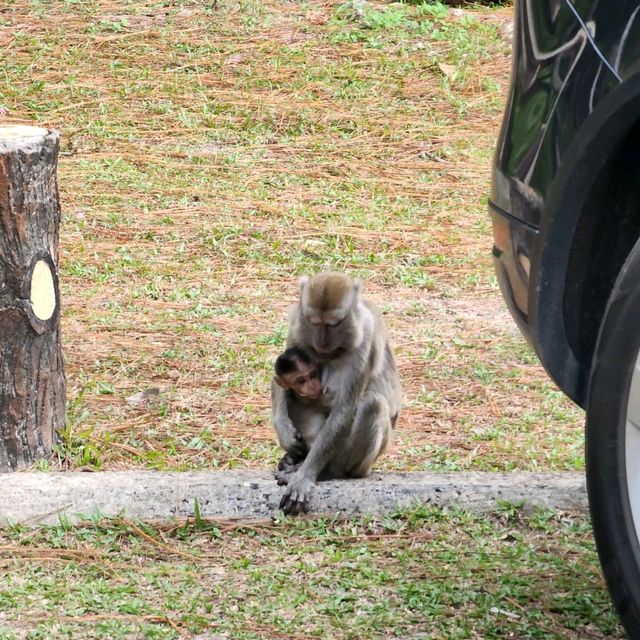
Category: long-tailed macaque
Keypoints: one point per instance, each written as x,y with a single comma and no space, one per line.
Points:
360,382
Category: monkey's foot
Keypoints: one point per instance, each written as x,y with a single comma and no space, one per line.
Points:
296,497
287,461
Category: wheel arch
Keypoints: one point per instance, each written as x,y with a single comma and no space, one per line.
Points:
589,228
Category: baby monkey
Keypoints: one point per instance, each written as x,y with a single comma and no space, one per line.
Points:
296,371
300,375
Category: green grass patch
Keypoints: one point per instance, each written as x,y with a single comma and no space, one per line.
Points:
419,573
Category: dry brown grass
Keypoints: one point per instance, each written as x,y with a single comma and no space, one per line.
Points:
210,156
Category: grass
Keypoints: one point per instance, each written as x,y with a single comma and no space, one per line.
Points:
418,574
213,152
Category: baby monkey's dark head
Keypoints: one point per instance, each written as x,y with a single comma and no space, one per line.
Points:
295,370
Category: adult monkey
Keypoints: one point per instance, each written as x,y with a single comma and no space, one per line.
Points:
349,337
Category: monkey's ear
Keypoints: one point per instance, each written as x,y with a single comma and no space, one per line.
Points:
281,382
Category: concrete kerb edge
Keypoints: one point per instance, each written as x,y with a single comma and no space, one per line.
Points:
46,498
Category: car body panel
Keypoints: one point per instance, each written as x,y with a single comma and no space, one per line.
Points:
557,79
513,242
616,32
567,108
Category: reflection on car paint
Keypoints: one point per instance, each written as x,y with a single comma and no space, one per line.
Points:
616,33
560,77
512,244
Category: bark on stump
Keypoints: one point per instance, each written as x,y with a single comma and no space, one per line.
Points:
32,380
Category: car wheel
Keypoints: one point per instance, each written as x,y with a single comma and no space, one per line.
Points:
613,444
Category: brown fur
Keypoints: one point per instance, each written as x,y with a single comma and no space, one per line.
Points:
328,290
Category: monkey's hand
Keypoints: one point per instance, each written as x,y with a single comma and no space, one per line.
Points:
291,440
285,471
289,437
296,496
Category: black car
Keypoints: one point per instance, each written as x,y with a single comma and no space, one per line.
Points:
565,204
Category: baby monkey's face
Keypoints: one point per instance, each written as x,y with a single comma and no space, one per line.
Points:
304,381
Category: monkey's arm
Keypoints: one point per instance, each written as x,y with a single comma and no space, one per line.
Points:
288,436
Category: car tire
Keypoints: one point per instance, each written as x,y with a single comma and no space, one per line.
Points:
613,444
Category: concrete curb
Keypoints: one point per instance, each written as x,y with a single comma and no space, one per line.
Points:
39,498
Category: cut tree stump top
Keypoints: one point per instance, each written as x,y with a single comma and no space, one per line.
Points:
14,137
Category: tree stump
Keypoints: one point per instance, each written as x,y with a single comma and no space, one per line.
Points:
32,380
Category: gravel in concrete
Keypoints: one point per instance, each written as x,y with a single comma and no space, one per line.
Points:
34,498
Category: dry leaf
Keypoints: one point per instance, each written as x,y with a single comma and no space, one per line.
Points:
448,69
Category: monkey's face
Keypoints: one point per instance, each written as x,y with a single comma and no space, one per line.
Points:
304,382
328,305
330,335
